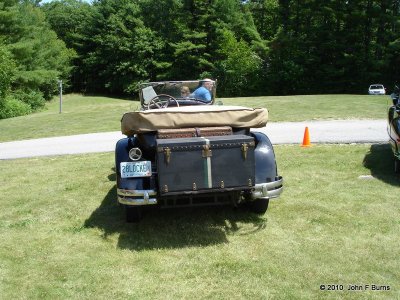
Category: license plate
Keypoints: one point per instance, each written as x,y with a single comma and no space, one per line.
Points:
135,169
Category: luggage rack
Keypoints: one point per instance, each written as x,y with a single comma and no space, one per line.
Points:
193,132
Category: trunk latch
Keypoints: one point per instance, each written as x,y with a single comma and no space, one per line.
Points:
167,155
245,147
207,151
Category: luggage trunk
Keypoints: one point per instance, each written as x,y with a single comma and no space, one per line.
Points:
205,164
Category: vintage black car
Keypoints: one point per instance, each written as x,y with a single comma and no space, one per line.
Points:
183,150
393,128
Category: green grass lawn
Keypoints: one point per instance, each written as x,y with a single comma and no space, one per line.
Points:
86,114
318,107
63,235
80,114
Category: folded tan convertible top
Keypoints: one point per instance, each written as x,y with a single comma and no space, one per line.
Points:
193,116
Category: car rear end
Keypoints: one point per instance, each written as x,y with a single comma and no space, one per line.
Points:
195,171
167,161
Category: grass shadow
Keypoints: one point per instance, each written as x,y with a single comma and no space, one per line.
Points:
380,161
189,227
172,228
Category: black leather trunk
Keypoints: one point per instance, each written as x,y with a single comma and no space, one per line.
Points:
211,164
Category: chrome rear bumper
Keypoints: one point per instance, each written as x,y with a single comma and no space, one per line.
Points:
137,197
267,190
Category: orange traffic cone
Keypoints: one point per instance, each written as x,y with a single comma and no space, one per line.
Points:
306,139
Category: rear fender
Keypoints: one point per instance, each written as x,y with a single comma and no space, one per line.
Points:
122,155
394,134
265,169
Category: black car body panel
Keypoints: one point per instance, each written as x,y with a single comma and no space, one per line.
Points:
393,128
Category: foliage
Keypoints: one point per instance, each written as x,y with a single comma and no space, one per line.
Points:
288,47
334,47
253,47
123,48
35,58
73,21
190,47
11,107
285,74
14,103
239,64
33,98
7,70
40,55
68,19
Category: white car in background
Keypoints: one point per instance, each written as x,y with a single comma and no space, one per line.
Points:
376,89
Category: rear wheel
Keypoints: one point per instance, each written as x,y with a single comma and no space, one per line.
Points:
133,214
259,206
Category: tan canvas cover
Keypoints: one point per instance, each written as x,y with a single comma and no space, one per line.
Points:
193,116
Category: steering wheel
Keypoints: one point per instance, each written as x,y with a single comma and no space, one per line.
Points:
161,101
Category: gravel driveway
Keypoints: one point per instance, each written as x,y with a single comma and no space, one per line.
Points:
343,131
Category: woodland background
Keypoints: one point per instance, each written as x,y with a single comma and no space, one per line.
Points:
255,47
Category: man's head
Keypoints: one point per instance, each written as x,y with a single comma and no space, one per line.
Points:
207,83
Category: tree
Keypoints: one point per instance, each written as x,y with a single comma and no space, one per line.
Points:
9,106
286,46
7,71
32,58
122,49
332,46
73,20
239,66
219,40
40,57
266,17
192,51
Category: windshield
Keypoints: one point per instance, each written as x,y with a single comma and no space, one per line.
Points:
376,87
195,90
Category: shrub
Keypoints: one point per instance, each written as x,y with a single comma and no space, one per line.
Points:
11,107
7,68
33,98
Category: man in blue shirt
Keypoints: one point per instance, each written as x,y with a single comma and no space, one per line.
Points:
203,92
